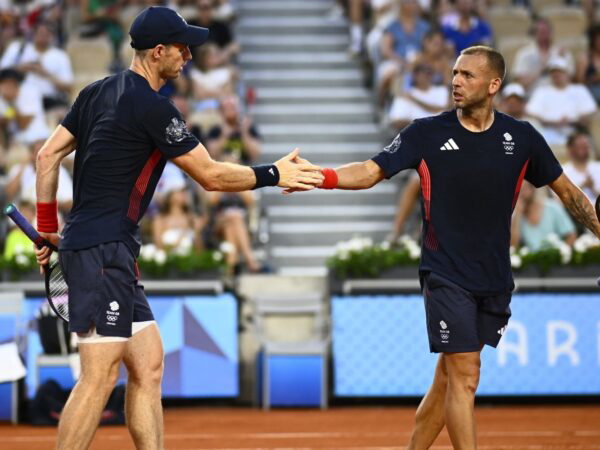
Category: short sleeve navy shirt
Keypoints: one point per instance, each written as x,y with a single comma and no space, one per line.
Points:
469,186
125,132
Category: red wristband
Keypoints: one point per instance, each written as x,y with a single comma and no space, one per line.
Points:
47,217
331,179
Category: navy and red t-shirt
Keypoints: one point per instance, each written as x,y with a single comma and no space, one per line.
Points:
470,182
125,132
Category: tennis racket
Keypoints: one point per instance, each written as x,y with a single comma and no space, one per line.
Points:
57,291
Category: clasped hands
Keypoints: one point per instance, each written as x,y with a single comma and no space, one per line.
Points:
298,174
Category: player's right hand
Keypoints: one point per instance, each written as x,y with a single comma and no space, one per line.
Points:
296,174
42,255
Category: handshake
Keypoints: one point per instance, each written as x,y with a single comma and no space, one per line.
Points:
298,174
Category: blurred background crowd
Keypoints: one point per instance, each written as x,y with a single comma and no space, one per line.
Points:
49,50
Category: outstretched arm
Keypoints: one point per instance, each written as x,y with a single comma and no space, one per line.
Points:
577,203
355,176
228,177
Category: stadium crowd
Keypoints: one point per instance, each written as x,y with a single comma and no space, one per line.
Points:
49,50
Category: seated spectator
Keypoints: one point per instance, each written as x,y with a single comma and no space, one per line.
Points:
531,61
434,53
464,28
16,240
421,100
537,216
581,169
237,136
21,182
46,67
588,65
102,17
220,32
182,103
175,228
400,44
21,109
210,80
513,102
405,209
228,221
560,105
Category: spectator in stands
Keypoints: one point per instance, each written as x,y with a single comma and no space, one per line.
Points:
464,28
16,240
581,169
531,61
220,32
406,208
434,53
421,100
561,105
400,44
236,136
588,65
102,17
513,102
46,67
21,109
228,221
537,216
21,181
176,228
182,103
210,80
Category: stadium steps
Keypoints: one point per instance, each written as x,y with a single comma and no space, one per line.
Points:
310,94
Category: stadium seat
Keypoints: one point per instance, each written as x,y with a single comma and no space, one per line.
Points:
576,45
509,46
82,80
512,21
127,16
188,12
538,6
89,56
567,22
126,52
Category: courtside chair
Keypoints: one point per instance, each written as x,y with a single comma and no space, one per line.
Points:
11,328
292,373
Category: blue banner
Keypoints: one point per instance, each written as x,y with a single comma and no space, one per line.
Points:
200,342
550,347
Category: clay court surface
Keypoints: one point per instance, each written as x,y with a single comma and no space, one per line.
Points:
499,427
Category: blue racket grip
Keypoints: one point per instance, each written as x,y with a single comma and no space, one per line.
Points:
20,221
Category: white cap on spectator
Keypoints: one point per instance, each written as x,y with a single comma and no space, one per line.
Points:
558,63
514,89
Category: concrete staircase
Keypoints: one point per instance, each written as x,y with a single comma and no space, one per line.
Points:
310,95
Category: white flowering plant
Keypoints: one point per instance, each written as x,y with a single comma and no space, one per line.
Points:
157,262
554,252
360,257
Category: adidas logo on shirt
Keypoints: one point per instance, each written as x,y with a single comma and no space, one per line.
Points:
449,145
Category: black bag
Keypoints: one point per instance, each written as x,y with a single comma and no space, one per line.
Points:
54,332
49,401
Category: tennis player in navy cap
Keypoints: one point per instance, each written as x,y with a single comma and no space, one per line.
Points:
124,131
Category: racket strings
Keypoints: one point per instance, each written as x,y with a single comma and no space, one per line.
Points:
58,292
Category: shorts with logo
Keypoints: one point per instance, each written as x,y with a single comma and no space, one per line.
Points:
460,321
103,290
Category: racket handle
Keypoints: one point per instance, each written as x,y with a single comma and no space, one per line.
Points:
20,221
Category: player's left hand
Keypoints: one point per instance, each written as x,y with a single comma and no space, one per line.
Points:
42,255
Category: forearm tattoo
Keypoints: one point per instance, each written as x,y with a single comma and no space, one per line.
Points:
582,210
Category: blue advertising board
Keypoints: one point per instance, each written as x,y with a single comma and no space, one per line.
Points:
550,347
199,335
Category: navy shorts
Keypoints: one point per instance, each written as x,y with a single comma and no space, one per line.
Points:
103,290
458,320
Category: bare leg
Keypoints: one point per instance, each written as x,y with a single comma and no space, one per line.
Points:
229,236
242,239
430,413
81,414
463,378
143,409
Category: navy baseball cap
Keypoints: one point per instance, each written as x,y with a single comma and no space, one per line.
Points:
159,25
